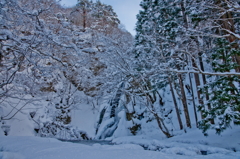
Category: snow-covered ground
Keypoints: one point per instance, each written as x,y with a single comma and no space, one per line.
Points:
226,145
185,146
149,143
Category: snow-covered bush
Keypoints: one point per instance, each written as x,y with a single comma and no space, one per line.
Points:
60,131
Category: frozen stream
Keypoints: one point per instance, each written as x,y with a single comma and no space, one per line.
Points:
89,142
28,147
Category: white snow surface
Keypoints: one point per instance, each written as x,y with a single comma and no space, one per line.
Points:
185,146
21,144
44,148
226,145
84,119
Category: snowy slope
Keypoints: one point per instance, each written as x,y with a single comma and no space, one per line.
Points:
85,118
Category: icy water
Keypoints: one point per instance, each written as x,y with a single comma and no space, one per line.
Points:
89,142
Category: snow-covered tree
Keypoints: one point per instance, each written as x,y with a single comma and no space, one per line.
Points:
176,38
46,57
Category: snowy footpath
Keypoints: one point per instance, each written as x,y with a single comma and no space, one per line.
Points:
22,147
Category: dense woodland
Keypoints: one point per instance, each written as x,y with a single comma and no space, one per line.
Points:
182,67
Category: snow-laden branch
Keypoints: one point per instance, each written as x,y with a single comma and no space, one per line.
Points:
17,111
232,33
202,33
233,5
198,70
204,72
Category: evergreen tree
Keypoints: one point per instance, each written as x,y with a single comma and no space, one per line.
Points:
160,42
178,36
223,90
151,61
217,19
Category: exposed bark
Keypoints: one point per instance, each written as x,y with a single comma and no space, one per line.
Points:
175,104
205,82
194,104
162,126
227,24
184,101
185,20
198,84
84,19
160,121
184,14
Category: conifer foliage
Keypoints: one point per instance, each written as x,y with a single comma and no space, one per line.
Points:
177,39
223,90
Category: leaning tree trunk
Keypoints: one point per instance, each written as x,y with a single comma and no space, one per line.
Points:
160,120
162,126
175,104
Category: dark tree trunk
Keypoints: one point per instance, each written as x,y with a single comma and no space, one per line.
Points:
175,104
194,104
205,82
227,23
184,101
